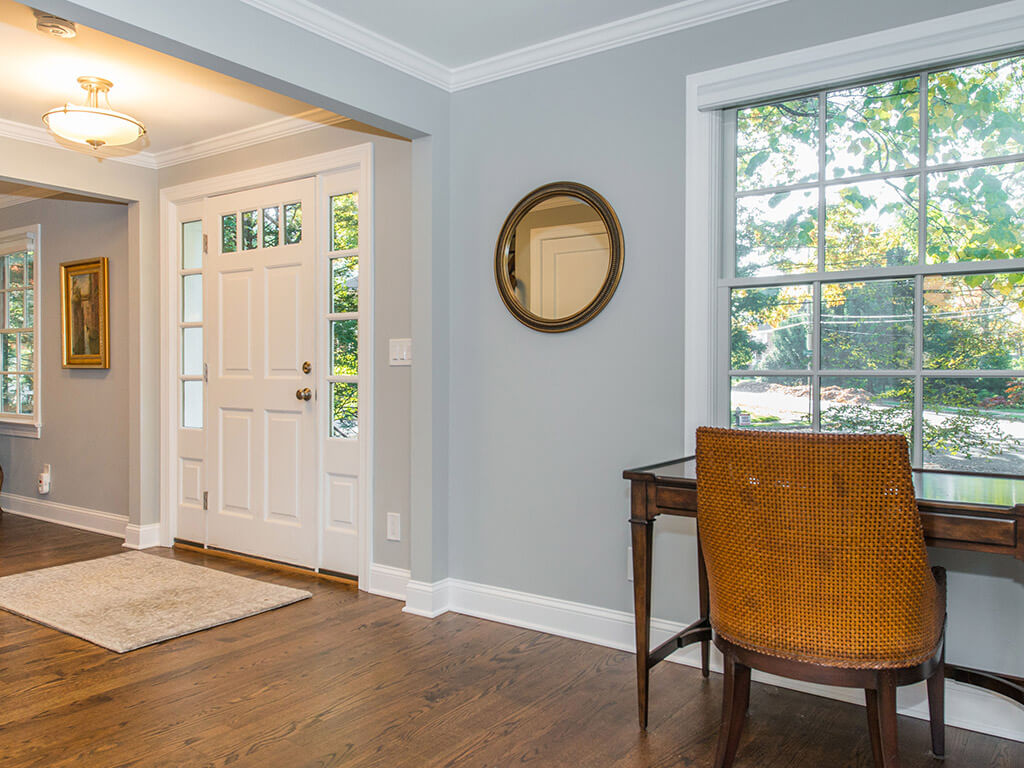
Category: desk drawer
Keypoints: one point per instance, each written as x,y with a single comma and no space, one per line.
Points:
677,498
1001,531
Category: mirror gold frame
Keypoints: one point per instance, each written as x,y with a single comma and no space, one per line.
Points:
615,256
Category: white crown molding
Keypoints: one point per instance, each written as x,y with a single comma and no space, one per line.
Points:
246,137
331,26
661,21
615,34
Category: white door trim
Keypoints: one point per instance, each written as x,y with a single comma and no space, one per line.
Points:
360,156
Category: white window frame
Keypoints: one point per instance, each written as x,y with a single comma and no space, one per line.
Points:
12,424
990,31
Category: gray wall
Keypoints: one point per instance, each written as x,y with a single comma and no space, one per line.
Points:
85,412
392,160
543,425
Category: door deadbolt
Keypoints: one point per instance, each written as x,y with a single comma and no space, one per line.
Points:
307,367
303,394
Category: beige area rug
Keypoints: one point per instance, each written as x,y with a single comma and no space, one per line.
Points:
126,601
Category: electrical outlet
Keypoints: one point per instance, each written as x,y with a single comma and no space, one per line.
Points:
629,563
394,527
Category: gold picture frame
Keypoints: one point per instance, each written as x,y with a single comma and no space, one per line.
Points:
84,314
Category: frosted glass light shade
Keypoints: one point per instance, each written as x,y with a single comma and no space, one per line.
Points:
93,126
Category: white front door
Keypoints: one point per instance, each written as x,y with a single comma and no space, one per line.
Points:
261,320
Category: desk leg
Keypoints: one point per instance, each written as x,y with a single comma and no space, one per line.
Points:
702,586
643,538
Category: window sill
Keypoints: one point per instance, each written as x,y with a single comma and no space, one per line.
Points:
20,429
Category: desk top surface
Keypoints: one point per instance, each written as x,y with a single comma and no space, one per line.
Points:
931,484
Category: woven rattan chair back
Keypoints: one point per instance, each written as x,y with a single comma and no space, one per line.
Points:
814,547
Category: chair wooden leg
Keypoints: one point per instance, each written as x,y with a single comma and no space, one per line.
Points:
871,698
937,707
887,720
735,698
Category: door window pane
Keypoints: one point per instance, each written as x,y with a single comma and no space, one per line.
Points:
771,402
344,222
344,409
270,227
345,284
191,351
867,325
292,223
229,233
771,328
777,234
873,128
974,321
777,144
867,404
192,298
192,404
345,347
192,245
250,230
871,224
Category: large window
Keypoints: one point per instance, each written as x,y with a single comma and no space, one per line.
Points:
19,367
874,263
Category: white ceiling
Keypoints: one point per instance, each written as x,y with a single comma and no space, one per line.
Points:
180,103
460,32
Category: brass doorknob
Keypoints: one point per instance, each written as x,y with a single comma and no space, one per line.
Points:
303,394
307,367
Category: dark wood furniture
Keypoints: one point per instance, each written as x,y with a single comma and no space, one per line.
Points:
981,513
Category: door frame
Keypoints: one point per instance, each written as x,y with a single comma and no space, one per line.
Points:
361,157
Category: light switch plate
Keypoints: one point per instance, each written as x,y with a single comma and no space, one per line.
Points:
400,351
394,527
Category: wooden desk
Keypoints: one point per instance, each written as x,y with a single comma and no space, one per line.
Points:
982,513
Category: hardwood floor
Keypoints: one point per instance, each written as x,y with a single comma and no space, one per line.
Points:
347,679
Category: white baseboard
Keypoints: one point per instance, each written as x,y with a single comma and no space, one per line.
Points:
65,514
142,536
966,707
388,581
430,600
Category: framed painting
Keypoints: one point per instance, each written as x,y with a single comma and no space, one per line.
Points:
84,296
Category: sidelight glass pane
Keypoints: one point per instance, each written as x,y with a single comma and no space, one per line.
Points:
771,402
871,224
344,410
229,233
974,321
192,404
292,223
976,111
27,352
777,234
192,245
192,299
777,144
873,128
271,226
867,404
191,351
976,214
9,393
250,230
867,325
771,328
26,395
974,424
9,352
344,222
345,347
345,284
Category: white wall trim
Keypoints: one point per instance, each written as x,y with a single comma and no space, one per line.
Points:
633,29
246,137
429,600
142,536
966,707
85,519
388,581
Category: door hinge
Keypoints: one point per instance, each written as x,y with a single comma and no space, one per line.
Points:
206,244
206,372
206,500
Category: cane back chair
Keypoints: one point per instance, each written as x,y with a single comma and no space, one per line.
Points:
817,571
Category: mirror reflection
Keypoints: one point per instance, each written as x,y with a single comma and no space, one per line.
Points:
558,257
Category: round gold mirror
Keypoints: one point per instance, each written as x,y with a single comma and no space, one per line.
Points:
559,257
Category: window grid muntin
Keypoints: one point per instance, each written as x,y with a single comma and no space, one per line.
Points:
919,270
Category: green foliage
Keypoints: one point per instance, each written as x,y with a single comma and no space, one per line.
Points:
344,410
344,222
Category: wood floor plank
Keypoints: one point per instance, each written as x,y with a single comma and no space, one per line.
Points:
347,679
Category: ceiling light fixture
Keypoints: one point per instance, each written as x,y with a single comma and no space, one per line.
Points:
49,24
92,124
